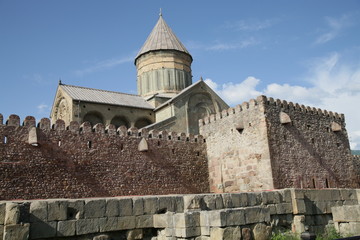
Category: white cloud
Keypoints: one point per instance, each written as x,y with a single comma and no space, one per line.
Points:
335,26
105,64
250,25
335,86
234,93
43,108
233,45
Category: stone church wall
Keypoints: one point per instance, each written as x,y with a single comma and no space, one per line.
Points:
80,161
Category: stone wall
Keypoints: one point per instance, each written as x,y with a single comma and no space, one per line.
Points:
81,161
309,150
267,144
197,217
237,147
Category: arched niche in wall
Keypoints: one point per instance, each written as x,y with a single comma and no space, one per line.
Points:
200,105
93,118
118,121
62,109
142,122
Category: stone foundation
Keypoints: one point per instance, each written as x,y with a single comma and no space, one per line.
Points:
203,216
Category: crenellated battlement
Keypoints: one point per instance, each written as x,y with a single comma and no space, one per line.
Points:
85,128
282,105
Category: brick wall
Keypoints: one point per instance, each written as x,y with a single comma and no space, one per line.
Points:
311,149
79,161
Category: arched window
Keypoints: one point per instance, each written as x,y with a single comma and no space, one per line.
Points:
118,121
93,118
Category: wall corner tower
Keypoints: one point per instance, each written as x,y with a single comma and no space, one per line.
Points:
163,63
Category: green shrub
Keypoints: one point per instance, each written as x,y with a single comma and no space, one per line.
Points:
284,236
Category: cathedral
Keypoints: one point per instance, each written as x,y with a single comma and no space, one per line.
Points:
167,98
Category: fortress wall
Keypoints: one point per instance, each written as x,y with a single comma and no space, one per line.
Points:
237,149
202,216
46,161
267,144
309,147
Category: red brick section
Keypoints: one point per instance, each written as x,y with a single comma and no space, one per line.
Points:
73,164
306,153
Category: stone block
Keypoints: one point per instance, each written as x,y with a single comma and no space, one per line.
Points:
272,208
126,223
163,220
166,204
213,201
257,215
134,234
235,217
187,232
271,197
144,221
262,232
57,210
239,199
94,208
348,194
75,209
194,202
346,213
12,213
350,202
15,232
66,228
108,224
202,237
285,195
246,234
254,199
297,193
102,237
2,213
217,233
284,208
85,226
232,233
322,195
298,225
227,200
151,205
112,207
217,218
299,206
43,230
187,219
204,218
179,204
138,207
205,230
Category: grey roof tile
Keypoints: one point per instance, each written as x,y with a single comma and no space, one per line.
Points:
105,97
162,38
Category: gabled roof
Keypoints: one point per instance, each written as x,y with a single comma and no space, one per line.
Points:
188,89
105,97
161,38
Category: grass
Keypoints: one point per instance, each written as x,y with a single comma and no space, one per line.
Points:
329,234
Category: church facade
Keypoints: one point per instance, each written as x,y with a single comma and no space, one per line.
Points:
167,98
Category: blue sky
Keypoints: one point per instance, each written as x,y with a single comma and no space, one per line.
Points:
302,51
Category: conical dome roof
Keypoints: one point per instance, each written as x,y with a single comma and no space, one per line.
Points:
162,38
